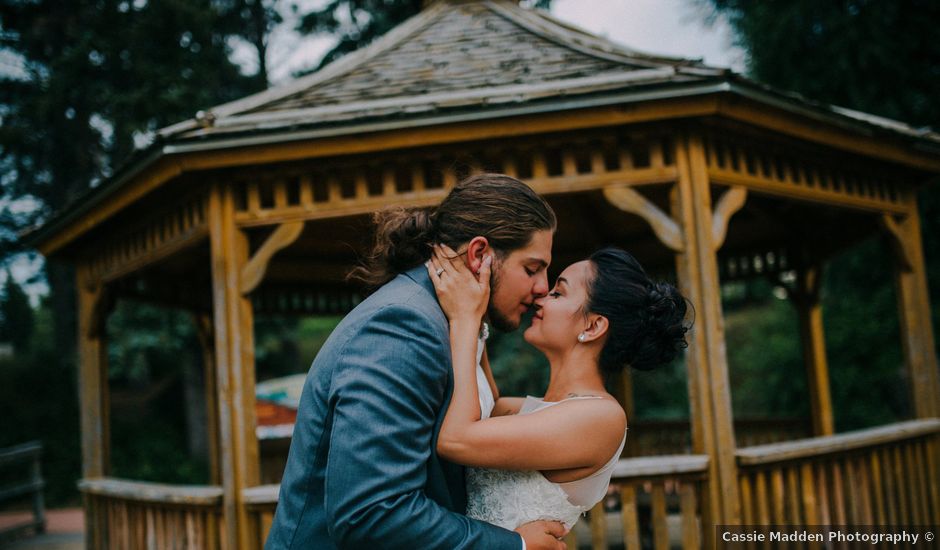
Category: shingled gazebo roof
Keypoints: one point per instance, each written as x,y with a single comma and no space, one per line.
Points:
450,57
481,58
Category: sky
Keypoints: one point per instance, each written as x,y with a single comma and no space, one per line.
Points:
669,27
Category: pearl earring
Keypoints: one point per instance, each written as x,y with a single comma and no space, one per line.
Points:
581,337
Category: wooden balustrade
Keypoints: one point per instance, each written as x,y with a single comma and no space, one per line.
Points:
11,459
133,514
261,502
887,475
659,505
880,476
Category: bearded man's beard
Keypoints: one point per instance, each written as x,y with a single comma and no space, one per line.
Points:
499,321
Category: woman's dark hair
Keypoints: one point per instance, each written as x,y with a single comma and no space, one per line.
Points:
646,319
501,208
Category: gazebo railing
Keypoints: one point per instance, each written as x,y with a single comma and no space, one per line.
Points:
262,501
11,458
136,514
881,476
650,489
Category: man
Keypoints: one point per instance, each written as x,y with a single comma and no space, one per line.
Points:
363,470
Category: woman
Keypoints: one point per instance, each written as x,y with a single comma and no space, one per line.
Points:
552,458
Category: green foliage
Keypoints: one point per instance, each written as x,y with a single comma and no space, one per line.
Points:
765,362
39,401
16,315
867,376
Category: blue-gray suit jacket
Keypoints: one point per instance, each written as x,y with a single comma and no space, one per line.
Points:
363,470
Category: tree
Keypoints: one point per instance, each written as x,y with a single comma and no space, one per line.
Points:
877,56
16,315
253,21
92,90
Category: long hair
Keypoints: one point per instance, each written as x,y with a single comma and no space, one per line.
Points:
501,208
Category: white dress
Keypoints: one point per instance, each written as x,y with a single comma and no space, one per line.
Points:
511,498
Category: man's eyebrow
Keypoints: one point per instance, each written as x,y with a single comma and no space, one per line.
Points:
539,261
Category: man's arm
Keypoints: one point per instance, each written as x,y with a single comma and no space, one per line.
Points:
385,401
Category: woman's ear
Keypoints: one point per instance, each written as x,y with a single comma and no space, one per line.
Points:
597,328
477,249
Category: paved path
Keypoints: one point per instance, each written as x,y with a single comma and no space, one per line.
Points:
65,530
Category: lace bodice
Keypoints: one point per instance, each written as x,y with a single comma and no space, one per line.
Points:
511,498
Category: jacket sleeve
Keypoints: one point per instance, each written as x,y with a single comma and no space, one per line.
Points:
385,398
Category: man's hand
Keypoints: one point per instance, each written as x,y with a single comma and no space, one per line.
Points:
543,535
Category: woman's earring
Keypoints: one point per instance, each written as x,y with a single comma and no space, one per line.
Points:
581,337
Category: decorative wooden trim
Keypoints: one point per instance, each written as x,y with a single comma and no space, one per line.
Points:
900,245
797,174
627,199
577,163
253,272
165,233
732,201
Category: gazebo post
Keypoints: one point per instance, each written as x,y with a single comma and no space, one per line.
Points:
204,333
93,394
805,298
917,339
709,388
93,377
235,368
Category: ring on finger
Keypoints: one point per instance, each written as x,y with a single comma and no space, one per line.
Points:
439,271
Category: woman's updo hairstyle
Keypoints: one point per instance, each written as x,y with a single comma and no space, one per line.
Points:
646,319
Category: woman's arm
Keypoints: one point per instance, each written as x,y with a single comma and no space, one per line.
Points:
552,439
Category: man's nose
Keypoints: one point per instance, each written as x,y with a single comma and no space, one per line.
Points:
541,285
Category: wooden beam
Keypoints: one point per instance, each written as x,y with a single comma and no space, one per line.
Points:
235,368
629,200
919,348
204,333
93,377
730,202
706,360
802,192
899,244
759,114
805,297
253,272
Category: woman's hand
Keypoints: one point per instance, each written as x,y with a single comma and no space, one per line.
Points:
463,295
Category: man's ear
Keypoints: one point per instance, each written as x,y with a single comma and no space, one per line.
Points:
477,249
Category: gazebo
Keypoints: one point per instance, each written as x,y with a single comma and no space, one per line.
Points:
262,205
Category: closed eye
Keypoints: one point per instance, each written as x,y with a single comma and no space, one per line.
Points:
555,294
